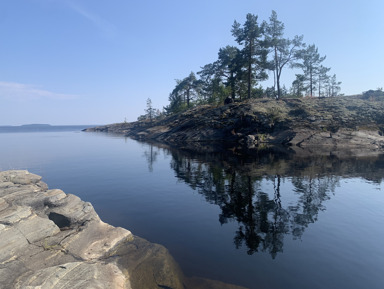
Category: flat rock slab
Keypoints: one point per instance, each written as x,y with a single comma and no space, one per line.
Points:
75,275
49,239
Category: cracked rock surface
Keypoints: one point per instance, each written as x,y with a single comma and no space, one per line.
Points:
50,239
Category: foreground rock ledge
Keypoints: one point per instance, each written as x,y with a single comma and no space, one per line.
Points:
49,239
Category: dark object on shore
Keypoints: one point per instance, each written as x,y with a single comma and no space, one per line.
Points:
228,100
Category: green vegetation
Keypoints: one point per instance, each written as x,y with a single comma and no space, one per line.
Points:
373,93
238,70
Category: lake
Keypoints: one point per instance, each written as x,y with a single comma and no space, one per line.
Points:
266,219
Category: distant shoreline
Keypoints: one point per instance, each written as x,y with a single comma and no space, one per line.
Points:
42,128
49,125
36,125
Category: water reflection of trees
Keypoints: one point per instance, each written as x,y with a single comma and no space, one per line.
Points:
151,156
262,219
238,187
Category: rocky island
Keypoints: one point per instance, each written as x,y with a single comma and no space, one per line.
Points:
321,124
50,239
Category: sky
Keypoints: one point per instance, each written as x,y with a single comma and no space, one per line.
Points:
68,62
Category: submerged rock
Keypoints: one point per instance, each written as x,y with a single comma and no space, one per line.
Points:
49,239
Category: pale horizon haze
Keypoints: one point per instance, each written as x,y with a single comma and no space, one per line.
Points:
65,62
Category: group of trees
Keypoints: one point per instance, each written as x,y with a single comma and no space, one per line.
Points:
238,71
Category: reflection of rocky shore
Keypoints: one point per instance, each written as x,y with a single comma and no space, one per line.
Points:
283,161
234,180
49,239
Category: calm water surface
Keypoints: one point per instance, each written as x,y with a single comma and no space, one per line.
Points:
262,221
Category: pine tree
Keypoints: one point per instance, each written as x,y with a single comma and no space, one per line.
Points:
284,51
311,63
150,111
298,85
254,50
333,86
182,95
223,75
323,78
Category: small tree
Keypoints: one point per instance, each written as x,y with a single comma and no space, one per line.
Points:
333,86
298,85
311,63
323,79
184,93
150,111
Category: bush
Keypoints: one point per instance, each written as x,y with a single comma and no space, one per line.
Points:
298,112
373,93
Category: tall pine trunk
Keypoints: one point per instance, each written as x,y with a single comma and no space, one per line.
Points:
188,98
250,70
233,93
277,75
311,81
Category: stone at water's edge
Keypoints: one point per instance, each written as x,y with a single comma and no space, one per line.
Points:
49,239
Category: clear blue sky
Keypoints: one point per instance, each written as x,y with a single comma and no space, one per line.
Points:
97,61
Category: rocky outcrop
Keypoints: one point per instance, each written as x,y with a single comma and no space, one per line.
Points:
49,239
333,123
